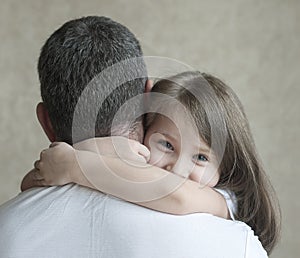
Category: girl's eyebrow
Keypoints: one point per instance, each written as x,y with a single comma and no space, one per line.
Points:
166,134
204,149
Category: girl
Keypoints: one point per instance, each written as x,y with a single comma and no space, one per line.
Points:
216,150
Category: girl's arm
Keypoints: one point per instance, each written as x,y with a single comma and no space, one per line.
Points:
134,181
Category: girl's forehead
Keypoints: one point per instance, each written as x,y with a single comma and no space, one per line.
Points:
179,126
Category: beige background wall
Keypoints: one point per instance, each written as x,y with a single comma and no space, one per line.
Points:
252,45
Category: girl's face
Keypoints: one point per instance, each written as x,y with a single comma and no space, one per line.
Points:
185,153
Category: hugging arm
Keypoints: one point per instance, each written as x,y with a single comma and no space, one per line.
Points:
131,179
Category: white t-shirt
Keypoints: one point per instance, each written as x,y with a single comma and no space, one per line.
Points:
73,221
230,201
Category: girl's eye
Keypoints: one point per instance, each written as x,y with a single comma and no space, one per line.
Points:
166,144
201,157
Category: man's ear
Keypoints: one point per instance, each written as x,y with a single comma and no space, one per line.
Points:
43,117
148,86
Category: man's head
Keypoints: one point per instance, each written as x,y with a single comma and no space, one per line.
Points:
73,55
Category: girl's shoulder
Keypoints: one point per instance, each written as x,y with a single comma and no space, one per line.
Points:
230,199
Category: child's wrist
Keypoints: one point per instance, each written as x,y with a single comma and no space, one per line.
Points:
74,172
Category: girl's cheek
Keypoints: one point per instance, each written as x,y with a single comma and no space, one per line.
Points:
158,158
196,176
205,177
209,178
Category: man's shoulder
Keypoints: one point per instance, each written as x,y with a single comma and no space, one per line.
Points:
46,201
43,195
56,214
83,215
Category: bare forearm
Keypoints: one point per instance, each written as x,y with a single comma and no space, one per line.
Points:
191,198
148,186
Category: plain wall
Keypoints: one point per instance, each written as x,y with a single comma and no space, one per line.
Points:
251,45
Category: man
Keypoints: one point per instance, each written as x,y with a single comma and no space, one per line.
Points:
73,221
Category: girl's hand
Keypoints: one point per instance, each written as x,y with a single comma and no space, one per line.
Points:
58,165
54,167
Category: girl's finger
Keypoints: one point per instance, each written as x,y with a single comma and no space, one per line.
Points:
144,151
42,153
53,144
36,176
37,165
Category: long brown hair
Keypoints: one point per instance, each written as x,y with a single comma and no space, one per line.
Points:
240,168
